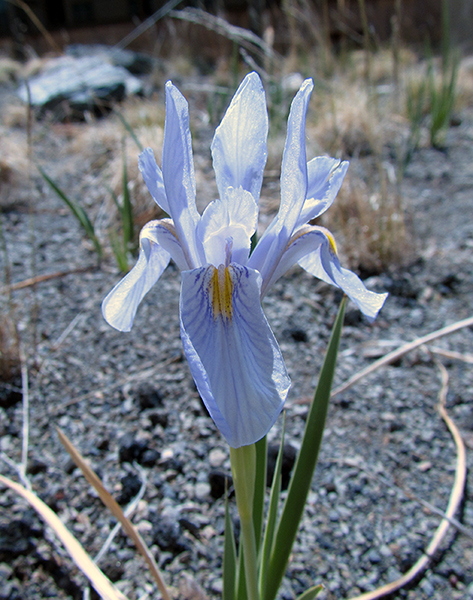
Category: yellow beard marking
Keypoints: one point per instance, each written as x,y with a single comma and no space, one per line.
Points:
220,292
307,228
331,240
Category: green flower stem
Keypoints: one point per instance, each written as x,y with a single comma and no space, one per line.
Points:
243,461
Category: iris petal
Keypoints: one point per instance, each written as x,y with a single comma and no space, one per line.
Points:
239,145
294,163
325,177
178,173
274,240
324,264
120,305
153,177
166,237
234,217
233,355
307,240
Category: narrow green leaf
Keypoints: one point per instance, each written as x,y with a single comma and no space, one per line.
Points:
77,211
230,563
120,253
272,512
243,462
311,593
114,198
303,471
130,130
242,593
127,209
260,489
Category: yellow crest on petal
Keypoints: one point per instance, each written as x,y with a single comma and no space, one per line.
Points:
331,240
308,228
220,291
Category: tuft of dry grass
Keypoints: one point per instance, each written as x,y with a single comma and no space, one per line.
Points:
382,64
347,118
107,144
10,363
10,70
370,226
14,166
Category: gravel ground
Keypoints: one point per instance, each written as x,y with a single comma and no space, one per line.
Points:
128,402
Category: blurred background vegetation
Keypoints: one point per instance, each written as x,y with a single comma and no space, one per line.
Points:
391,76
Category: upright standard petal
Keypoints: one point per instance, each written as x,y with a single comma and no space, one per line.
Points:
324,264
178,174
325,177
226,227
153,177
233,356
239,146
294,163
273,243
120,305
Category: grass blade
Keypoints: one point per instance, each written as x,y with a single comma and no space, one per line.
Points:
120,253
130,130
77,210
303,471
260,489
116,510
230,563
127,209
272,512
100,582
311,593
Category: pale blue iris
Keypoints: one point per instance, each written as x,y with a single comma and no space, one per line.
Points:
233,355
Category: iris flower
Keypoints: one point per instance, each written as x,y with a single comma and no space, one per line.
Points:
233,355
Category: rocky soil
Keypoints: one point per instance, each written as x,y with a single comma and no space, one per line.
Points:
128,402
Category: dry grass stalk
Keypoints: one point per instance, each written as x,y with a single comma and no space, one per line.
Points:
456,497
239,35
116,510
400,352
101,583
10,363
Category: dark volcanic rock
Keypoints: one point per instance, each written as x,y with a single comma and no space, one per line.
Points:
17,536
131,449
148,397
167,533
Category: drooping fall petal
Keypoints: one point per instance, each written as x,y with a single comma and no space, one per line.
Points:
233,355
324,264
120,305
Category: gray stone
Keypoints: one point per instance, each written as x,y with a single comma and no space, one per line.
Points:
134,62
80,84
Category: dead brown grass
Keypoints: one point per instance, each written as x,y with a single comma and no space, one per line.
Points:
14,165
347,118
10,363
370,226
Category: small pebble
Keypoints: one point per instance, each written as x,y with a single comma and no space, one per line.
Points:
202,490
217,457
